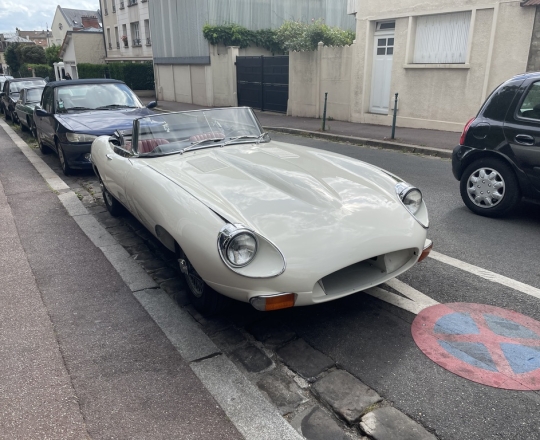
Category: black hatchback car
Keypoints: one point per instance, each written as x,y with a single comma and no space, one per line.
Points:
74,113
498,159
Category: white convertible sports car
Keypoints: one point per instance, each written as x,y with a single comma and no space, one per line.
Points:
271,223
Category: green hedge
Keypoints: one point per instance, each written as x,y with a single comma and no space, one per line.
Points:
42,70
138,76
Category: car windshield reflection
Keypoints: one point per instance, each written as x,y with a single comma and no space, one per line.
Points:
173,133
95,97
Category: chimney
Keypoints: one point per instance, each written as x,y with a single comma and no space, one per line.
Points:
90,21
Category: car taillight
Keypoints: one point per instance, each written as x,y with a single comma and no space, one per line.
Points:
465,130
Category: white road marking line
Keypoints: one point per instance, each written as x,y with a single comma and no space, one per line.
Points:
486,274
411,293
415,302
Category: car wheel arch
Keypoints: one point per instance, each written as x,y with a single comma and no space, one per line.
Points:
166,238
475,155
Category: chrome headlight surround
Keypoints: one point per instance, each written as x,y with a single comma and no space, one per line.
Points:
228,234
407,195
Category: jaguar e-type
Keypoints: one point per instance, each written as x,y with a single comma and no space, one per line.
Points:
271,223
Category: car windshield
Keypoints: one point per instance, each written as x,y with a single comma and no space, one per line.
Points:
170,133
17,86
102,96
34,95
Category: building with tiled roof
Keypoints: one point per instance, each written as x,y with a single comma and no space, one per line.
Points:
41,38
68,20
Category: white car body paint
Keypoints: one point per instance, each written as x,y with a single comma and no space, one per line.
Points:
323,211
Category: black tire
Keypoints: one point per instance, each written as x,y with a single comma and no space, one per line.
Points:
114,207
501,185
33,129
6,114
42,147
66,169
23,126
205,299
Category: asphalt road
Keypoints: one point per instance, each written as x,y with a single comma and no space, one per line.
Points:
372,339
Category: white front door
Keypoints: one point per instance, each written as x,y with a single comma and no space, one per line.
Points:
383,53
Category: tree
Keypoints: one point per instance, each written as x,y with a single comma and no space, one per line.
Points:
12,59
33,54
52,53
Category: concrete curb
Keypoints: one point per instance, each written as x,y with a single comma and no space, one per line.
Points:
388,145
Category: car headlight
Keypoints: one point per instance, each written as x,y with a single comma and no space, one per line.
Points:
410,196
237,245
80,137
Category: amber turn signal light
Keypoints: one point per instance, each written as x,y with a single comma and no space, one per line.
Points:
273,302
426,251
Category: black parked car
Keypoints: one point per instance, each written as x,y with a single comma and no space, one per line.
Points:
74,113
498,159
10,94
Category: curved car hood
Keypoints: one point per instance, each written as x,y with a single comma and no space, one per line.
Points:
101,122
283,190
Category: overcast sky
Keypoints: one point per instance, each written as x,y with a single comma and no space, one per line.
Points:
30,15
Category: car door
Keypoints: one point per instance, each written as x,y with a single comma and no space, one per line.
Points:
522,131
45,124
19,106
115,173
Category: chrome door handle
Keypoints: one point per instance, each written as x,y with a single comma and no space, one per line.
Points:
109,156
524,139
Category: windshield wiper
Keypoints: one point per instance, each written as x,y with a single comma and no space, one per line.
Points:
237,138
78,108
196,144
115,106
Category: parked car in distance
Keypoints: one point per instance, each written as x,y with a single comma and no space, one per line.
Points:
270,223
74,113
3,79
10,93
24,108
498,158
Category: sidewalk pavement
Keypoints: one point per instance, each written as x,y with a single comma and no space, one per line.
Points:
413,140
90,346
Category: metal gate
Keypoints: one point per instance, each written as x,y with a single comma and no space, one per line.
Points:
263,82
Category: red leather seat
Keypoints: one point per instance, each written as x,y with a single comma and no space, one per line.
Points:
209,135
148,145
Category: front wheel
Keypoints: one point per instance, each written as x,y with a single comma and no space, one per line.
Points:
205,299
114,207
66,169
489,187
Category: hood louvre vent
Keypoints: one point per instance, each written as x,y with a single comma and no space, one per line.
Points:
207,164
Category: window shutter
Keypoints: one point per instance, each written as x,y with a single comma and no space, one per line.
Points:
442,38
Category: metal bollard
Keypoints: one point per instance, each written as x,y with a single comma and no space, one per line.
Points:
395,116
324,112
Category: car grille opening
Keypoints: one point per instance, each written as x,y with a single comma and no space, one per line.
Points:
366,273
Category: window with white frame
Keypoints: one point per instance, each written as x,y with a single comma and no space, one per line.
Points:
442,39
135,33
147,32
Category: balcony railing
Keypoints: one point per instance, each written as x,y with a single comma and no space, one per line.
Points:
137,42
106,11
144,1
110,45
132,2
117,45
148,42
121,5
114,8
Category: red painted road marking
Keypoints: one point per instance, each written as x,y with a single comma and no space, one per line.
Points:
485,344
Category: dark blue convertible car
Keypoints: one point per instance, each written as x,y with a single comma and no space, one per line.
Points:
74,113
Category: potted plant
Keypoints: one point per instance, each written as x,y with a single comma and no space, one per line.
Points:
124,38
